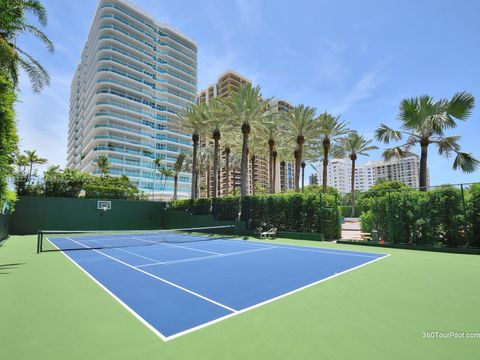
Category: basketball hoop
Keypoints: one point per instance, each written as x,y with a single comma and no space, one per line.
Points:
104,205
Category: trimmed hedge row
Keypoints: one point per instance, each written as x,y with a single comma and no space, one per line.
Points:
307,213
443,216
347,211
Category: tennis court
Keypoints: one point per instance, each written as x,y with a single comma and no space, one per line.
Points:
176,282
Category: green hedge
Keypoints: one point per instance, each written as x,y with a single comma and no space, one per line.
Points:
436,217
306,213
346,211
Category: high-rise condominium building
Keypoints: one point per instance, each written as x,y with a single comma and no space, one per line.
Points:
406,170
135,74
285,170
313,179
230,81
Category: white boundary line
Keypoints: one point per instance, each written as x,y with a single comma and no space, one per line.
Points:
129,309
234,313
162,280
207,257
271,300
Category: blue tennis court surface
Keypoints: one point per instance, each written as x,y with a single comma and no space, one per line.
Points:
177,288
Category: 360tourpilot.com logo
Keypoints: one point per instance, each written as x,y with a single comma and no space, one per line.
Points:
450,335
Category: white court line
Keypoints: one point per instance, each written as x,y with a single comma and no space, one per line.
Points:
309,249
270,300
234,313
206,257
189,248
161,279
126,251
129,309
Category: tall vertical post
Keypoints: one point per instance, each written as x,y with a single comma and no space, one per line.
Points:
465,226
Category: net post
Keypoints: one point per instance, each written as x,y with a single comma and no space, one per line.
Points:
39,241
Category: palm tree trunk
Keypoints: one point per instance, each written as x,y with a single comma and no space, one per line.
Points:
274,176
216,138
271,144
423,166
175,185
244,161
297,170
303,175
194,190
284,176
353,158
227,170
153,189
253,174
208,180
326,148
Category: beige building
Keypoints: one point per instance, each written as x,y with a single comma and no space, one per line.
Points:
227,82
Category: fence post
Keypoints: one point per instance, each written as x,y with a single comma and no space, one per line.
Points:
389,217
465,222
321,215
337,217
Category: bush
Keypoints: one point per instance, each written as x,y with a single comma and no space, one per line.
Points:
226,208
63,183
409,216
8,132
346,211
474,215
308,213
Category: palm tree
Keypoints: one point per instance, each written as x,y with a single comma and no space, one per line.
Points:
352,146
177,168
192,120
32,159
230,144
216,123
245,107
270,129
285,155
205,164
331,129
13,22
166,173
301,124
424,122
102,165
156,165
235,163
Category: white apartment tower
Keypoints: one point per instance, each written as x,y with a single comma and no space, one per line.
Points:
135,74
406,170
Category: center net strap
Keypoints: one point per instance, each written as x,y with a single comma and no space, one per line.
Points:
84,240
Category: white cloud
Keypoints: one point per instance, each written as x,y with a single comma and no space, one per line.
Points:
362,90
250,13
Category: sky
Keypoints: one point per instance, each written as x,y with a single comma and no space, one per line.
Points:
356,59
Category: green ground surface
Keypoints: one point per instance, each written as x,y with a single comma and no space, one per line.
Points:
50,310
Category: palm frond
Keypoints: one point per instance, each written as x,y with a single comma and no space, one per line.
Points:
447,144
386,134
40,35
466,162
38,75
36,8
395,152
460,105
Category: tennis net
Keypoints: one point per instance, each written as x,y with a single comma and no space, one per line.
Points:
59,240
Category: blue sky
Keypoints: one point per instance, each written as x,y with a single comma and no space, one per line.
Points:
357,59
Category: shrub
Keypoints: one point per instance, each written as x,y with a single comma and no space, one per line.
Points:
474,215
226,208
293,212
409,216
